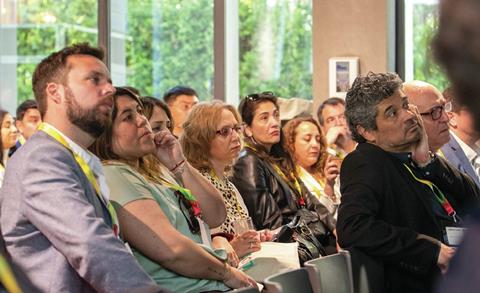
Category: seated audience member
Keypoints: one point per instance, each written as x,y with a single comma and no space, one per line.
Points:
398,199
433,110
164,223
8,138
157,113
64,236
266,177
331,115
315,167
462,150
180,100
27,121
211,142
263,173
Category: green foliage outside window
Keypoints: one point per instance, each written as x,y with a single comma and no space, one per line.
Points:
425,23
169,43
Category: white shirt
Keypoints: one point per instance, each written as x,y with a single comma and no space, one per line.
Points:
92,161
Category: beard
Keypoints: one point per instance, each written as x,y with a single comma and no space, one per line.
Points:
92,121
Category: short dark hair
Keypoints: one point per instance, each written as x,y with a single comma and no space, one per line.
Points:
53,68
363,98
174,92
24,107
333,101
150,102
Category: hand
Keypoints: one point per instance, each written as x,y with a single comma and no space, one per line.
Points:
421,151
446,253
266,235
221,242
237,279
246,243
168,149
331,169
336,134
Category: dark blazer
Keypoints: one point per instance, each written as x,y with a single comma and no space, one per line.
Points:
268,198
388,216
456,157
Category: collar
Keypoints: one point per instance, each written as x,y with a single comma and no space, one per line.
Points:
469,152
92,161
403,157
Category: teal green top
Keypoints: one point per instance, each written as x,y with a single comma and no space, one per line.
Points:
127,185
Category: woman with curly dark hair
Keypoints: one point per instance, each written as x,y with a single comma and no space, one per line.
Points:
316,169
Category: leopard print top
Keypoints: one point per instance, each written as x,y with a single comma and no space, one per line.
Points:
236,209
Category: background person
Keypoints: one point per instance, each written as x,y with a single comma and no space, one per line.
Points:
331,116
8,138
158,114
211,142
180,100
315,167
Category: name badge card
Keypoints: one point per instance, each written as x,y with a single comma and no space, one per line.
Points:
455,235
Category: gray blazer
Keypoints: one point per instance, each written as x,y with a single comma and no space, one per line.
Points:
457,158
54,225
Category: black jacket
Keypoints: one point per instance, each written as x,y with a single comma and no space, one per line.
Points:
388,216
268,198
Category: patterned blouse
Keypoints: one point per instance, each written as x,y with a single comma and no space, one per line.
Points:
236,208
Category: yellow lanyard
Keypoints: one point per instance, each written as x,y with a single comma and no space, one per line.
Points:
7,277
439,196
300,200
310,181
48,129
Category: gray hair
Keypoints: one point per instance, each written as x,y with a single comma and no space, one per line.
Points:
363,98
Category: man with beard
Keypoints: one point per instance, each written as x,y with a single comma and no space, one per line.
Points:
400,202
58,225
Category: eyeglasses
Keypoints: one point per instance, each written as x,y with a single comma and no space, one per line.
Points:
227,130
436,112
259,96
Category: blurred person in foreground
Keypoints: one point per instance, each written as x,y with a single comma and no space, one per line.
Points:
457,48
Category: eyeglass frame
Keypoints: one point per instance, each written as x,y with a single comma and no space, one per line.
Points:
241,127
447,107
192,221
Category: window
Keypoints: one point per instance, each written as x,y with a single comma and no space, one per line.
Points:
29,31
421,22
276,47
158,44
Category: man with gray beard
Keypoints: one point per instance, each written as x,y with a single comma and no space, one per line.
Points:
56,219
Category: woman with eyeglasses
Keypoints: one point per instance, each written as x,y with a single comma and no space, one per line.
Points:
163,222
211,142
316,169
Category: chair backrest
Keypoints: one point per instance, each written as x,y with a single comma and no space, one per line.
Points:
332,273
291,281
246,290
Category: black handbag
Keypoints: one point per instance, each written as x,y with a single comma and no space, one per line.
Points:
308,231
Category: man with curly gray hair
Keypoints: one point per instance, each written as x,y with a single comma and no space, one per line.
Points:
398,199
